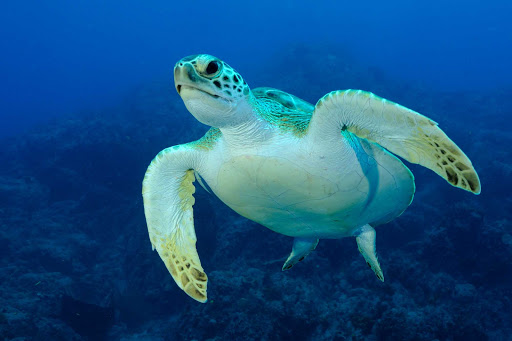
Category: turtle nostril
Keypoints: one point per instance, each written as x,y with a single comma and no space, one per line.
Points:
178,88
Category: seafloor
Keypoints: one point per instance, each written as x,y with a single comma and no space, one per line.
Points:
76,262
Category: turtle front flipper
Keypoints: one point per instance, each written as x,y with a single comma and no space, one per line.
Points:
402,131
365,237
167,191
301,248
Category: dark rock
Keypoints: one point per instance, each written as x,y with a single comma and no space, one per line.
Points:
87,319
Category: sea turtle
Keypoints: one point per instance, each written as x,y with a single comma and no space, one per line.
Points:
308,172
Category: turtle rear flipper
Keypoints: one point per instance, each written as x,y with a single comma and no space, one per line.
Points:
365,237
301,248
402,131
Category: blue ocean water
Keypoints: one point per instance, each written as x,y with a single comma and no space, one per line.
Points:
87,100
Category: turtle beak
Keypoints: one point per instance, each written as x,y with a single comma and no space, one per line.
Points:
177,76
185,74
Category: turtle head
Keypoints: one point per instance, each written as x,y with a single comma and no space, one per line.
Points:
212,91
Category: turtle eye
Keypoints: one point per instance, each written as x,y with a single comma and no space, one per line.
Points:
213,68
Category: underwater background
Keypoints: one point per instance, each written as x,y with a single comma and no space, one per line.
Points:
87,100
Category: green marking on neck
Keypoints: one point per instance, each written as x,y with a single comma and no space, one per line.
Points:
282,110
